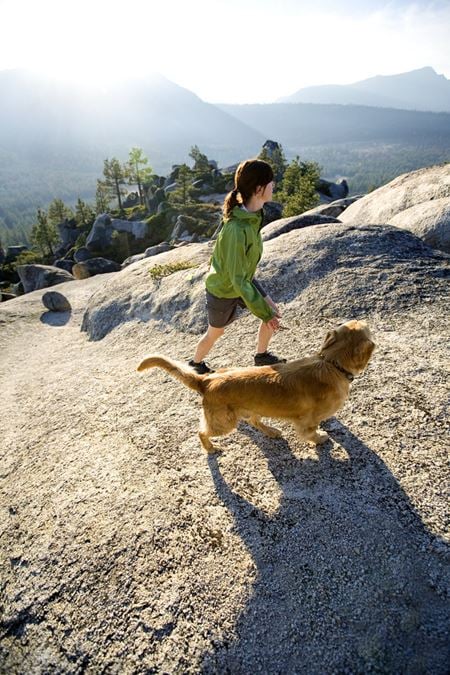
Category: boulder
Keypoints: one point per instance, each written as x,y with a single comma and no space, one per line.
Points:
131,199
68,233
149,252
64,264
41,276
333,209
172,177
294,223
157,249
18,289
6,296
153,200
403,193
180,226
56,302
329,191
272,211
430,221
100,236
132,259
171,188
82,254
93,266
12,253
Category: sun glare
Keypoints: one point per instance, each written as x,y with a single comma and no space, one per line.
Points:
83,42
220,49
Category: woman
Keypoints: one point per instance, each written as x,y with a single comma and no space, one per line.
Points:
230,283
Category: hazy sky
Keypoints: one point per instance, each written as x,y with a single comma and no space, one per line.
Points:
234,51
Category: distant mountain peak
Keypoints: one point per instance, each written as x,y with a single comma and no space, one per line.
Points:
420,89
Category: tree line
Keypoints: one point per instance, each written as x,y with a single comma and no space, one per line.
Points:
295,190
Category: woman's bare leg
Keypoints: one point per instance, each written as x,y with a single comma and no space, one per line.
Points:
265,334
206,342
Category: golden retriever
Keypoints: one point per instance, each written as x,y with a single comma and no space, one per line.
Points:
305,392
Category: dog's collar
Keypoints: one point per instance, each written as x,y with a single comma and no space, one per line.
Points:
350,377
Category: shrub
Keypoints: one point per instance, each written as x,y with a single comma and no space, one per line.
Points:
29,258
159,271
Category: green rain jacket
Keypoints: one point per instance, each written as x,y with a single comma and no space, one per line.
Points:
236,254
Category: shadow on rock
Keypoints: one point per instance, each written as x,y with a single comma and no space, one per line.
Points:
56,318
349,579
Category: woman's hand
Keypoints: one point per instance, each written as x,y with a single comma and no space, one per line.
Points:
271,303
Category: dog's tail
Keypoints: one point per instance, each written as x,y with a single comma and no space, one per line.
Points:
179,370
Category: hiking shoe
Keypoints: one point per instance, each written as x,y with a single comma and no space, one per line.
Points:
268,359
201,367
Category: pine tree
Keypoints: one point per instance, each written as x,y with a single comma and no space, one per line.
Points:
298,189
102,198
44,234
183,181
201,162
84,213
114,174
277,161
138,172
58,212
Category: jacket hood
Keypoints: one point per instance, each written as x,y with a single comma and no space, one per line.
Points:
246,217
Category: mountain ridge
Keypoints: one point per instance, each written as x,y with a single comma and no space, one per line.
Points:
399,91
54,137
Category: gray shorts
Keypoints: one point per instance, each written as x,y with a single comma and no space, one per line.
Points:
222,311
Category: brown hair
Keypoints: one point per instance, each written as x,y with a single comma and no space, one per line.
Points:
250,175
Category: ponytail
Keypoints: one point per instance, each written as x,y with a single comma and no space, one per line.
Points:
231,200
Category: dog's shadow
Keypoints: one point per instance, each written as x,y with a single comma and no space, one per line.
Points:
348,577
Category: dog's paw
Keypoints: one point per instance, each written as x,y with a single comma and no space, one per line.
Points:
214,449
272,432
320,437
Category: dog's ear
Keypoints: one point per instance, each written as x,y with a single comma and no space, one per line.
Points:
364,349
330,339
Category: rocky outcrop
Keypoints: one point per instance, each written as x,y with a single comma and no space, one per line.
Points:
153,198
329,191
34,277
180,229
333,209
418,201
430,221
284,225
93,266
179,300
332,269
68,233
100,236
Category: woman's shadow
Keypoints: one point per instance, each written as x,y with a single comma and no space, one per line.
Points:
348,578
